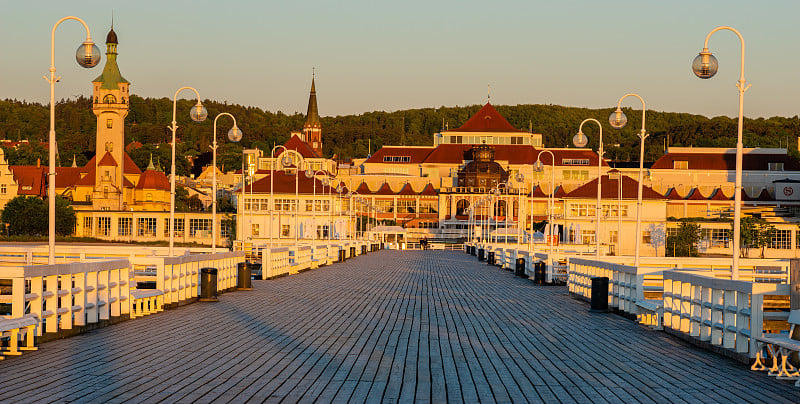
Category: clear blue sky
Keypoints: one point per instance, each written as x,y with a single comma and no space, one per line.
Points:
389,55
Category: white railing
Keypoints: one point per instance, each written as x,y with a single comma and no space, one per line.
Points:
722,312
65,295
13,255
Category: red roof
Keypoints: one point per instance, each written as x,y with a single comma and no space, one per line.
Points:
67,176
726,161
407,190
385,189
765,196
538,193
298,145
610,189
129,166
487,120
416,155
429,191
567,157
560,193
31,179
718,195
672,194
285,184
107,160
695,195
152,179
133,146
363,189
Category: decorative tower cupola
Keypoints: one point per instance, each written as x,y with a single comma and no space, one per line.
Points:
110,98
312,130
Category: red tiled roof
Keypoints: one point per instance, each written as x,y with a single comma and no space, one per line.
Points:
385,189
285,184
726,161
417,154
765,196
746,197
538,193
487,120
67,176
560,193
406,190
672,194
133,146
107,161
695,195
363,189
718,195
429,191
152,179
32,177
298,145
454,153
129,166
610,189
567,154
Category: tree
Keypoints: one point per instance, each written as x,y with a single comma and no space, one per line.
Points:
224,204
754,232
229,222
684,242
194,204
28,216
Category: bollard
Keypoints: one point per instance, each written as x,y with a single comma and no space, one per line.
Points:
490,258
539,271
352,252
341,255
244,272
520,268
599,303
208,285
363,249
480,254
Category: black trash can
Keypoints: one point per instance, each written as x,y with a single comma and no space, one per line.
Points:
520,268
490,258
539,270
208,285
480,254
352,252
341,255
599,303
243,276
364,249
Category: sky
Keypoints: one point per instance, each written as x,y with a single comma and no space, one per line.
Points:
378,55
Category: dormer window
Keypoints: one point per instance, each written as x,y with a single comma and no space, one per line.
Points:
775,167
680,165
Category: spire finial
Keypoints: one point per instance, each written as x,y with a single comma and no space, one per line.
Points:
313,72
151,166
112,18
488,92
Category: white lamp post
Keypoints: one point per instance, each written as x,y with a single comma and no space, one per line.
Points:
234,135
580,140
618,121
495,207
312,175
275,165
520,180
538,166
87,55
705,66
198,113
286,161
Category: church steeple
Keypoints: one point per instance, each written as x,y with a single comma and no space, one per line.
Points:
312,130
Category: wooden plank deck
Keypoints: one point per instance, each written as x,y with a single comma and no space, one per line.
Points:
429,326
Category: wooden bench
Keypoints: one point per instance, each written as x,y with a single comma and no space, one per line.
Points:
14,328
780,345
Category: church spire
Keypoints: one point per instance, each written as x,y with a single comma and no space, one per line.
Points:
312,130
312,115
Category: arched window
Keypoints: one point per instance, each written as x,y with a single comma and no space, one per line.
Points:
461,207
149,197
500,208
109,99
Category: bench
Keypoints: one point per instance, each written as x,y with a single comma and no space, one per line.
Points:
146,301
780,345
14,328
651,313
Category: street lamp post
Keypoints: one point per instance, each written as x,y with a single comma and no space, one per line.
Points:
618,121
580,140
521,181
538,166
495,209
234,135
705,66
198,113
287,161
87,55
312,175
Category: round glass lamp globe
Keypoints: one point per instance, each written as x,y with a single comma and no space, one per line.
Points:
538,166
705,65
88,55
580,140
309,173
235,134
340,189
520,178
618,119
286,161
198,113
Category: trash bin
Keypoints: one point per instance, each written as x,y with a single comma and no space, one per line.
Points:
480,254
352,252
364,249
490,258
520,268
539,270
341,255
208,285
244,272
599,303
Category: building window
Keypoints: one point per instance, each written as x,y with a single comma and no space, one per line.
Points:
781,240
581,175
284,204
254,229
646,237
407,206
3,189
179,227
146,227
109,99
613,237
587,236
428,207
87,226
775,167
614,210
109,123
103,226
149,197
575,162
385,206
199,227
322,231
285,230
124,225
225,229
680,165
